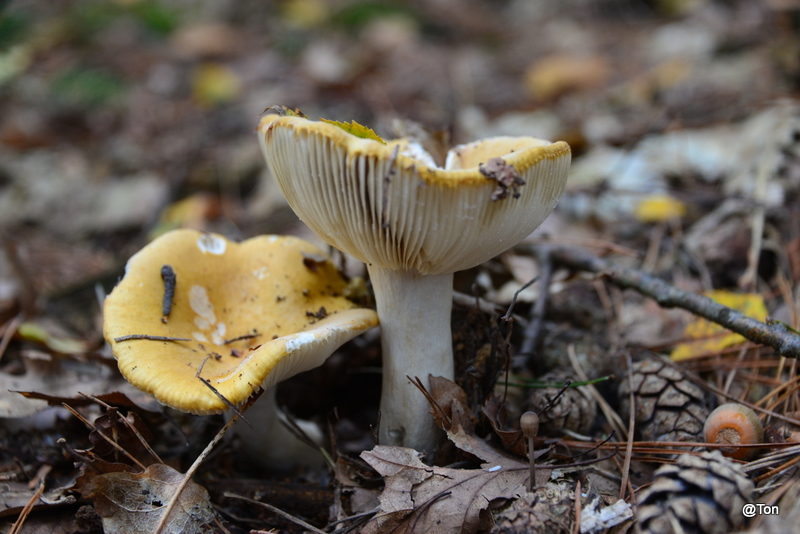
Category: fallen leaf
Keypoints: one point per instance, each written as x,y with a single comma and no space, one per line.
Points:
707,337
459,423
35,333
215,84
659,208
356,129
557,74
134,502
44,372
421,498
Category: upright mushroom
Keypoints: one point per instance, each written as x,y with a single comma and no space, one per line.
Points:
414,224
249,315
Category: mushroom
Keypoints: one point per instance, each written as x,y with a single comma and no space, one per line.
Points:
243,317
414,224
734,424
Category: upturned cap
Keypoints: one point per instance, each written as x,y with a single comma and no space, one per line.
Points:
251,313
386,203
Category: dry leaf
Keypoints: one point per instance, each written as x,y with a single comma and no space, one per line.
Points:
58,377
421,498
134,502
709,337
215,84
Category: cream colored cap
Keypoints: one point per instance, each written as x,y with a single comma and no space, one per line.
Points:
256,313
417,216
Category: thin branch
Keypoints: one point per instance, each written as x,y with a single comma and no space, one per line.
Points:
190,473
531,336
775,335
149,338
219,395
277,511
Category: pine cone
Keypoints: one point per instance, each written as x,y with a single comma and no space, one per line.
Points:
668,407
700,495
574,410
549,510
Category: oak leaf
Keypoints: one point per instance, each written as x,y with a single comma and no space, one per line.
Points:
134,502
422,498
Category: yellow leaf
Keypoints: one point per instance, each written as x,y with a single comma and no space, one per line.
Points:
356,129
707,337
34,333
191,212
215,84
659,208
306,14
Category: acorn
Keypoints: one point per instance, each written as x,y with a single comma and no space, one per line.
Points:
734,424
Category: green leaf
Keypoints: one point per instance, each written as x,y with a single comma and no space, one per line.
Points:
356,129
537,384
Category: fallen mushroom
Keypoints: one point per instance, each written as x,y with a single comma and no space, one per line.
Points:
414,224
239,321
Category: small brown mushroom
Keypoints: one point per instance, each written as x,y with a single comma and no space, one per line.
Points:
734,424
227,319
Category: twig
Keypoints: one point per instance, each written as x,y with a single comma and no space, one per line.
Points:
278,511
775,335
626,465
16,528
531,336
8,333
564,387
613,419
110,441
127,423
28,293
190,473
240,338
577,527
150,338
219,395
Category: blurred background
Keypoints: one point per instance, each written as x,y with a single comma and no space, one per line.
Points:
120,119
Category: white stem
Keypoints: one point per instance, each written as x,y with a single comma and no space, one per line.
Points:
414,311
269,443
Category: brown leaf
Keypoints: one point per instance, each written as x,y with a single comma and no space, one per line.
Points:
461,429
123,436
130,502
454,404
512,439
59,377
421,498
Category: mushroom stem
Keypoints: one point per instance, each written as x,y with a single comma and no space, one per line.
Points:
414,313
268,442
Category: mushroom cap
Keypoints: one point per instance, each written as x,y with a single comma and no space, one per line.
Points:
271,288
735,424
418,216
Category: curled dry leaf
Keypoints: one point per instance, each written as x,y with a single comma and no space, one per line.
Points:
134,502
421,498
455,417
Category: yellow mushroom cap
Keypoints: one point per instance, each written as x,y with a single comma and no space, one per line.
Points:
270,288
417,216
